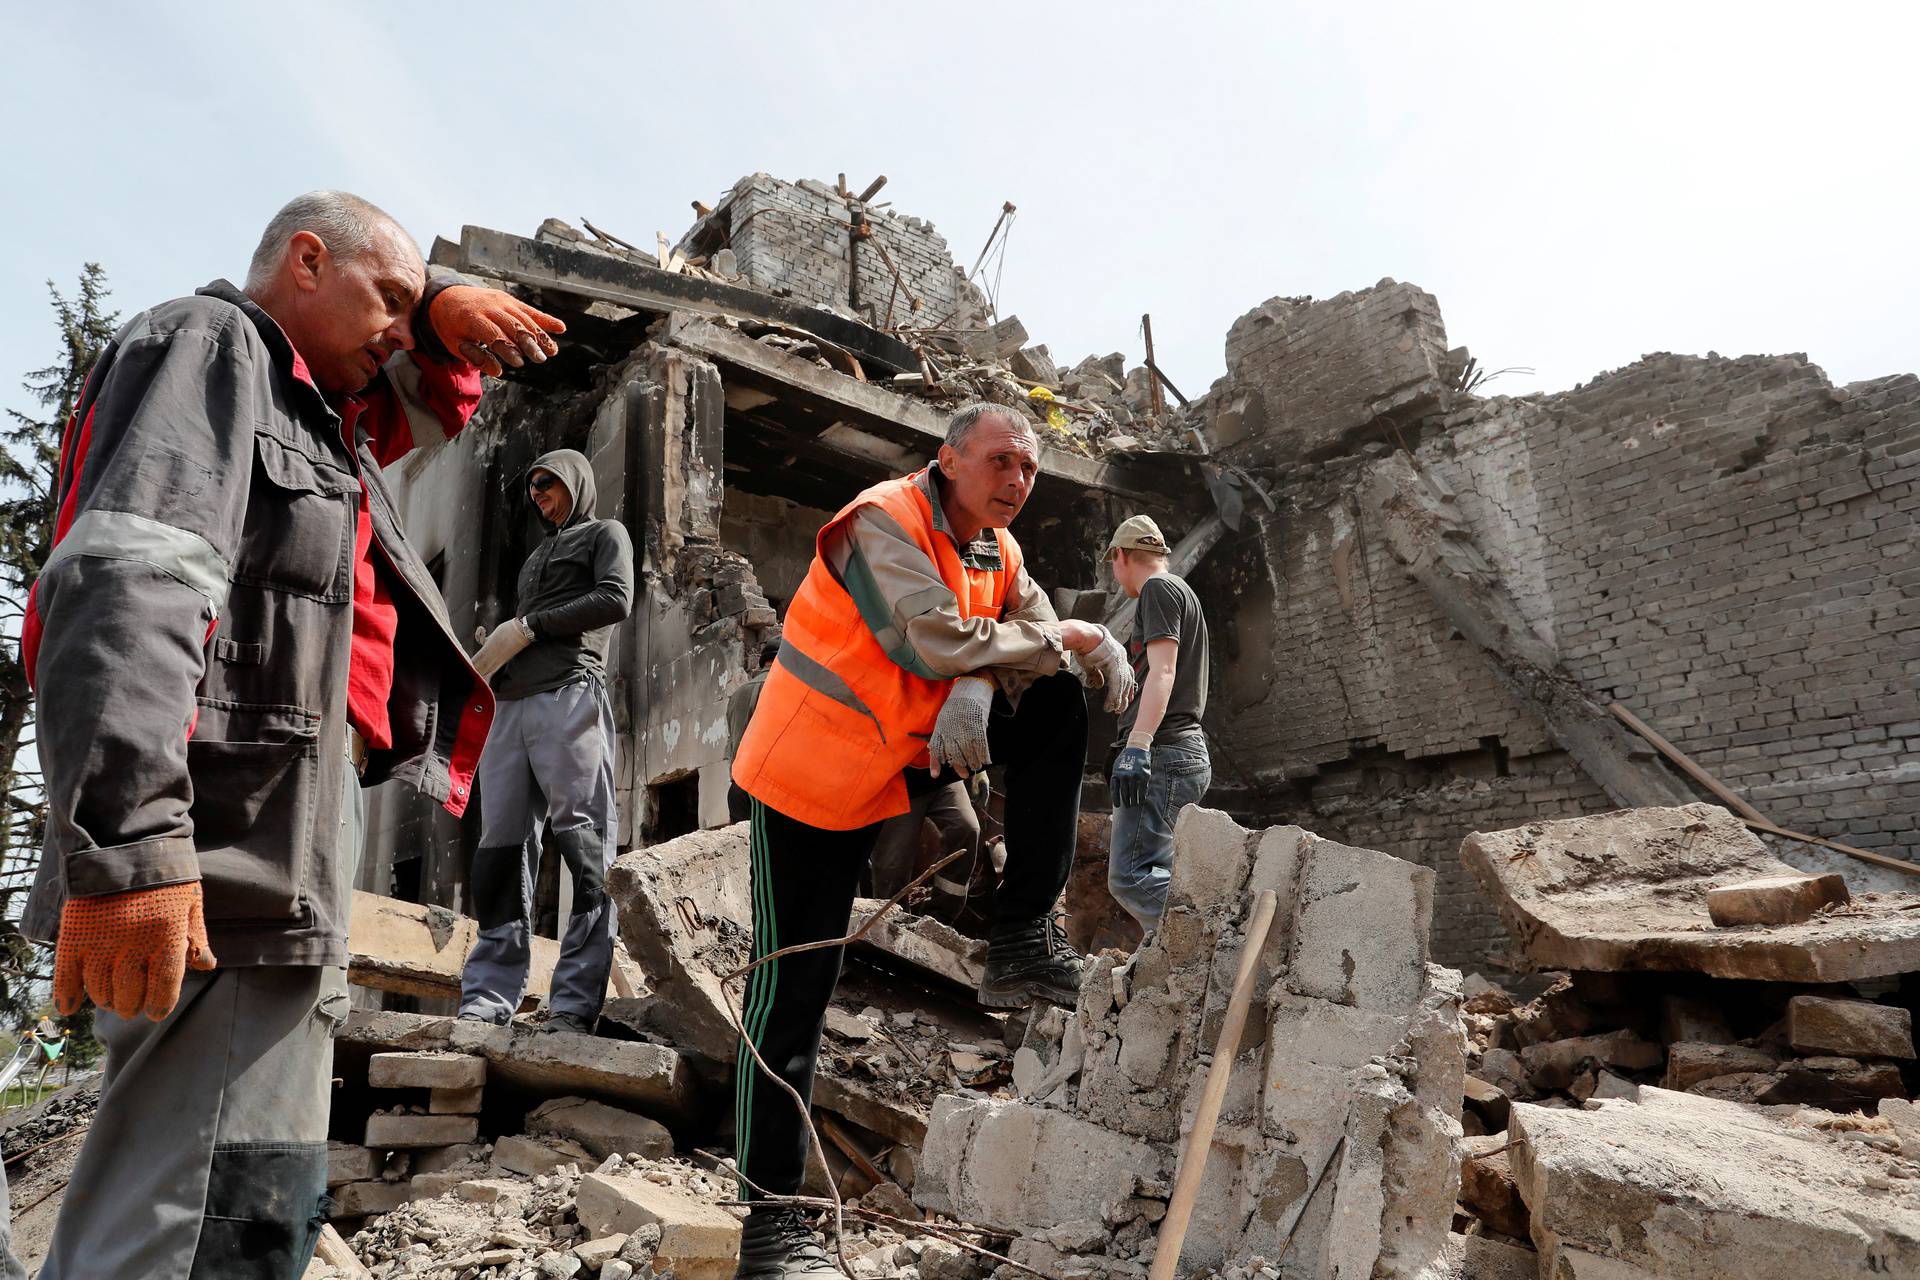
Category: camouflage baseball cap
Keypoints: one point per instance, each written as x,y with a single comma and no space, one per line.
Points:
1137,533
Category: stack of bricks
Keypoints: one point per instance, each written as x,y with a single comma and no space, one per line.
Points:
411,1150
1326,371
791,239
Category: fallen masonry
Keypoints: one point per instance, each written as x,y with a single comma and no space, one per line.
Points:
1335,1155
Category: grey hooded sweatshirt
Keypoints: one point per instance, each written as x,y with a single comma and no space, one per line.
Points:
574,589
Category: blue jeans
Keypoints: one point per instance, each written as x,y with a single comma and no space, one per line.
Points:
1141,861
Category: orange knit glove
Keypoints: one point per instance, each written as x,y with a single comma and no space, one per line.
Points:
486,327
129,951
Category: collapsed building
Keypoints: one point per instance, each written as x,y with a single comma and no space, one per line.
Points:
1477,658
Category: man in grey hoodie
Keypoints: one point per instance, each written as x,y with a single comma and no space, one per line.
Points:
549,755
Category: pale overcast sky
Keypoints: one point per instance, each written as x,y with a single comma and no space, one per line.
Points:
1577,185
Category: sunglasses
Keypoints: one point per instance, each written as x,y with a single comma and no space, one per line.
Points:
540,484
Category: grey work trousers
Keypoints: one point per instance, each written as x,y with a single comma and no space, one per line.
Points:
896,849
548,763
207,1157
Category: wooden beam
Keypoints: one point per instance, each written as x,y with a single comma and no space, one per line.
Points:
913,424
635,285
1753,818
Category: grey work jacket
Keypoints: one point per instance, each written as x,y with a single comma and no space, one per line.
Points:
190,635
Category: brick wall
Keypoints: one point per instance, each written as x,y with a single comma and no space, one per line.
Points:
791,238
1724,545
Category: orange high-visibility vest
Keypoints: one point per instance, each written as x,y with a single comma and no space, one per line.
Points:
839,720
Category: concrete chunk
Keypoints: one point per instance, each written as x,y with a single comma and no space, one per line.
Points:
1365,949
1774,899
397,1131
1849,1028
1554,1064
456,1102
698,1240
358,1199
1023,1168
1627,890
601,1129
1690,1062
534,1156
1644,1187
1487,1186
349,1162
426,1071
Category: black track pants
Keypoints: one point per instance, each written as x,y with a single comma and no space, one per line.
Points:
803,882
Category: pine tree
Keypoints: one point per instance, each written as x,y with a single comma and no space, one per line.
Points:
29,468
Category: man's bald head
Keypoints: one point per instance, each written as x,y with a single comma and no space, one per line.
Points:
342,280
345,223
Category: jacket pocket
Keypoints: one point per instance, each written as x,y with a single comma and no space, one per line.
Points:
300,524
255,770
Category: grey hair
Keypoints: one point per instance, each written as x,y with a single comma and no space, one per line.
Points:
343,221
969,416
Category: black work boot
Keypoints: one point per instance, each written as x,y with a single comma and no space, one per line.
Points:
576,1023
777,1242
1031,960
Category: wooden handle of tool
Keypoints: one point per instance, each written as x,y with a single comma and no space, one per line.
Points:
1193,1157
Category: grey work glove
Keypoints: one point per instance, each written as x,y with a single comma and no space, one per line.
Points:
507,639
960,734
1109,662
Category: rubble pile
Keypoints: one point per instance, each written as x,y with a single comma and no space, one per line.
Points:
1335,1152
1605,1106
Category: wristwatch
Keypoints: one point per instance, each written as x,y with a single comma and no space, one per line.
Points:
526,629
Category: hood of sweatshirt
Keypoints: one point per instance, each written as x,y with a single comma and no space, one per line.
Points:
576,473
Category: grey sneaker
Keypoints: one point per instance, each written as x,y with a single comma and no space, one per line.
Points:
578,1024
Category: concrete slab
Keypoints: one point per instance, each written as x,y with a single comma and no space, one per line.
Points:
1628,890
426,1070
698,1240
1687,1188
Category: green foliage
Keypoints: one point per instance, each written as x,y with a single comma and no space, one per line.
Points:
29,472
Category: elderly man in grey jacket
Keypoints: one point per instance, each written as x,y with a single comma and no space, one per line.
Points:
549,756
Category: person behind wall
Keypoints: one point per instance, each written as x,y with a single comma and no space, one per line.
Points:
549,757
916,650
1163,765
231,637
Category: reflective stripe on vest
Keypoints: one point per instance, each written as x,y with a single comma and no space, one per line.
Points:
840,716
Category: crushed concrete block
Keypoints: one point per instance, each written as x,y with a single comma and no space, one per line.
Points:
1022,1168
1490,1101
1904,1116
492,1190
1679,1184
456,1102
1365,949
429,1186
350,1162
1689,1062
1554,1064
393,1131
1478,1258
426,1071
359,1199
1487,1186
698,1240
1774,899
596,1253
532,1157
683,912
1648,909
1849,1028
996,342
601,1129
922,943
1838,1084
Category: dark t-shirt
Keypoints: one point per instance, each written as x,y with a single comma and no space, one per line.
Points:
1168,609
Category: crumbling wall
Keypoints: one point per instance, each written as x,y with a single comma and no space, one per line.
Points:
1718,544
792,238
1334,1153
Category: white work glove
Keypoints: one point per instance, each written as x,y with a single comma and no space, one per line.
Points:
960,734
1109,662
499,648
